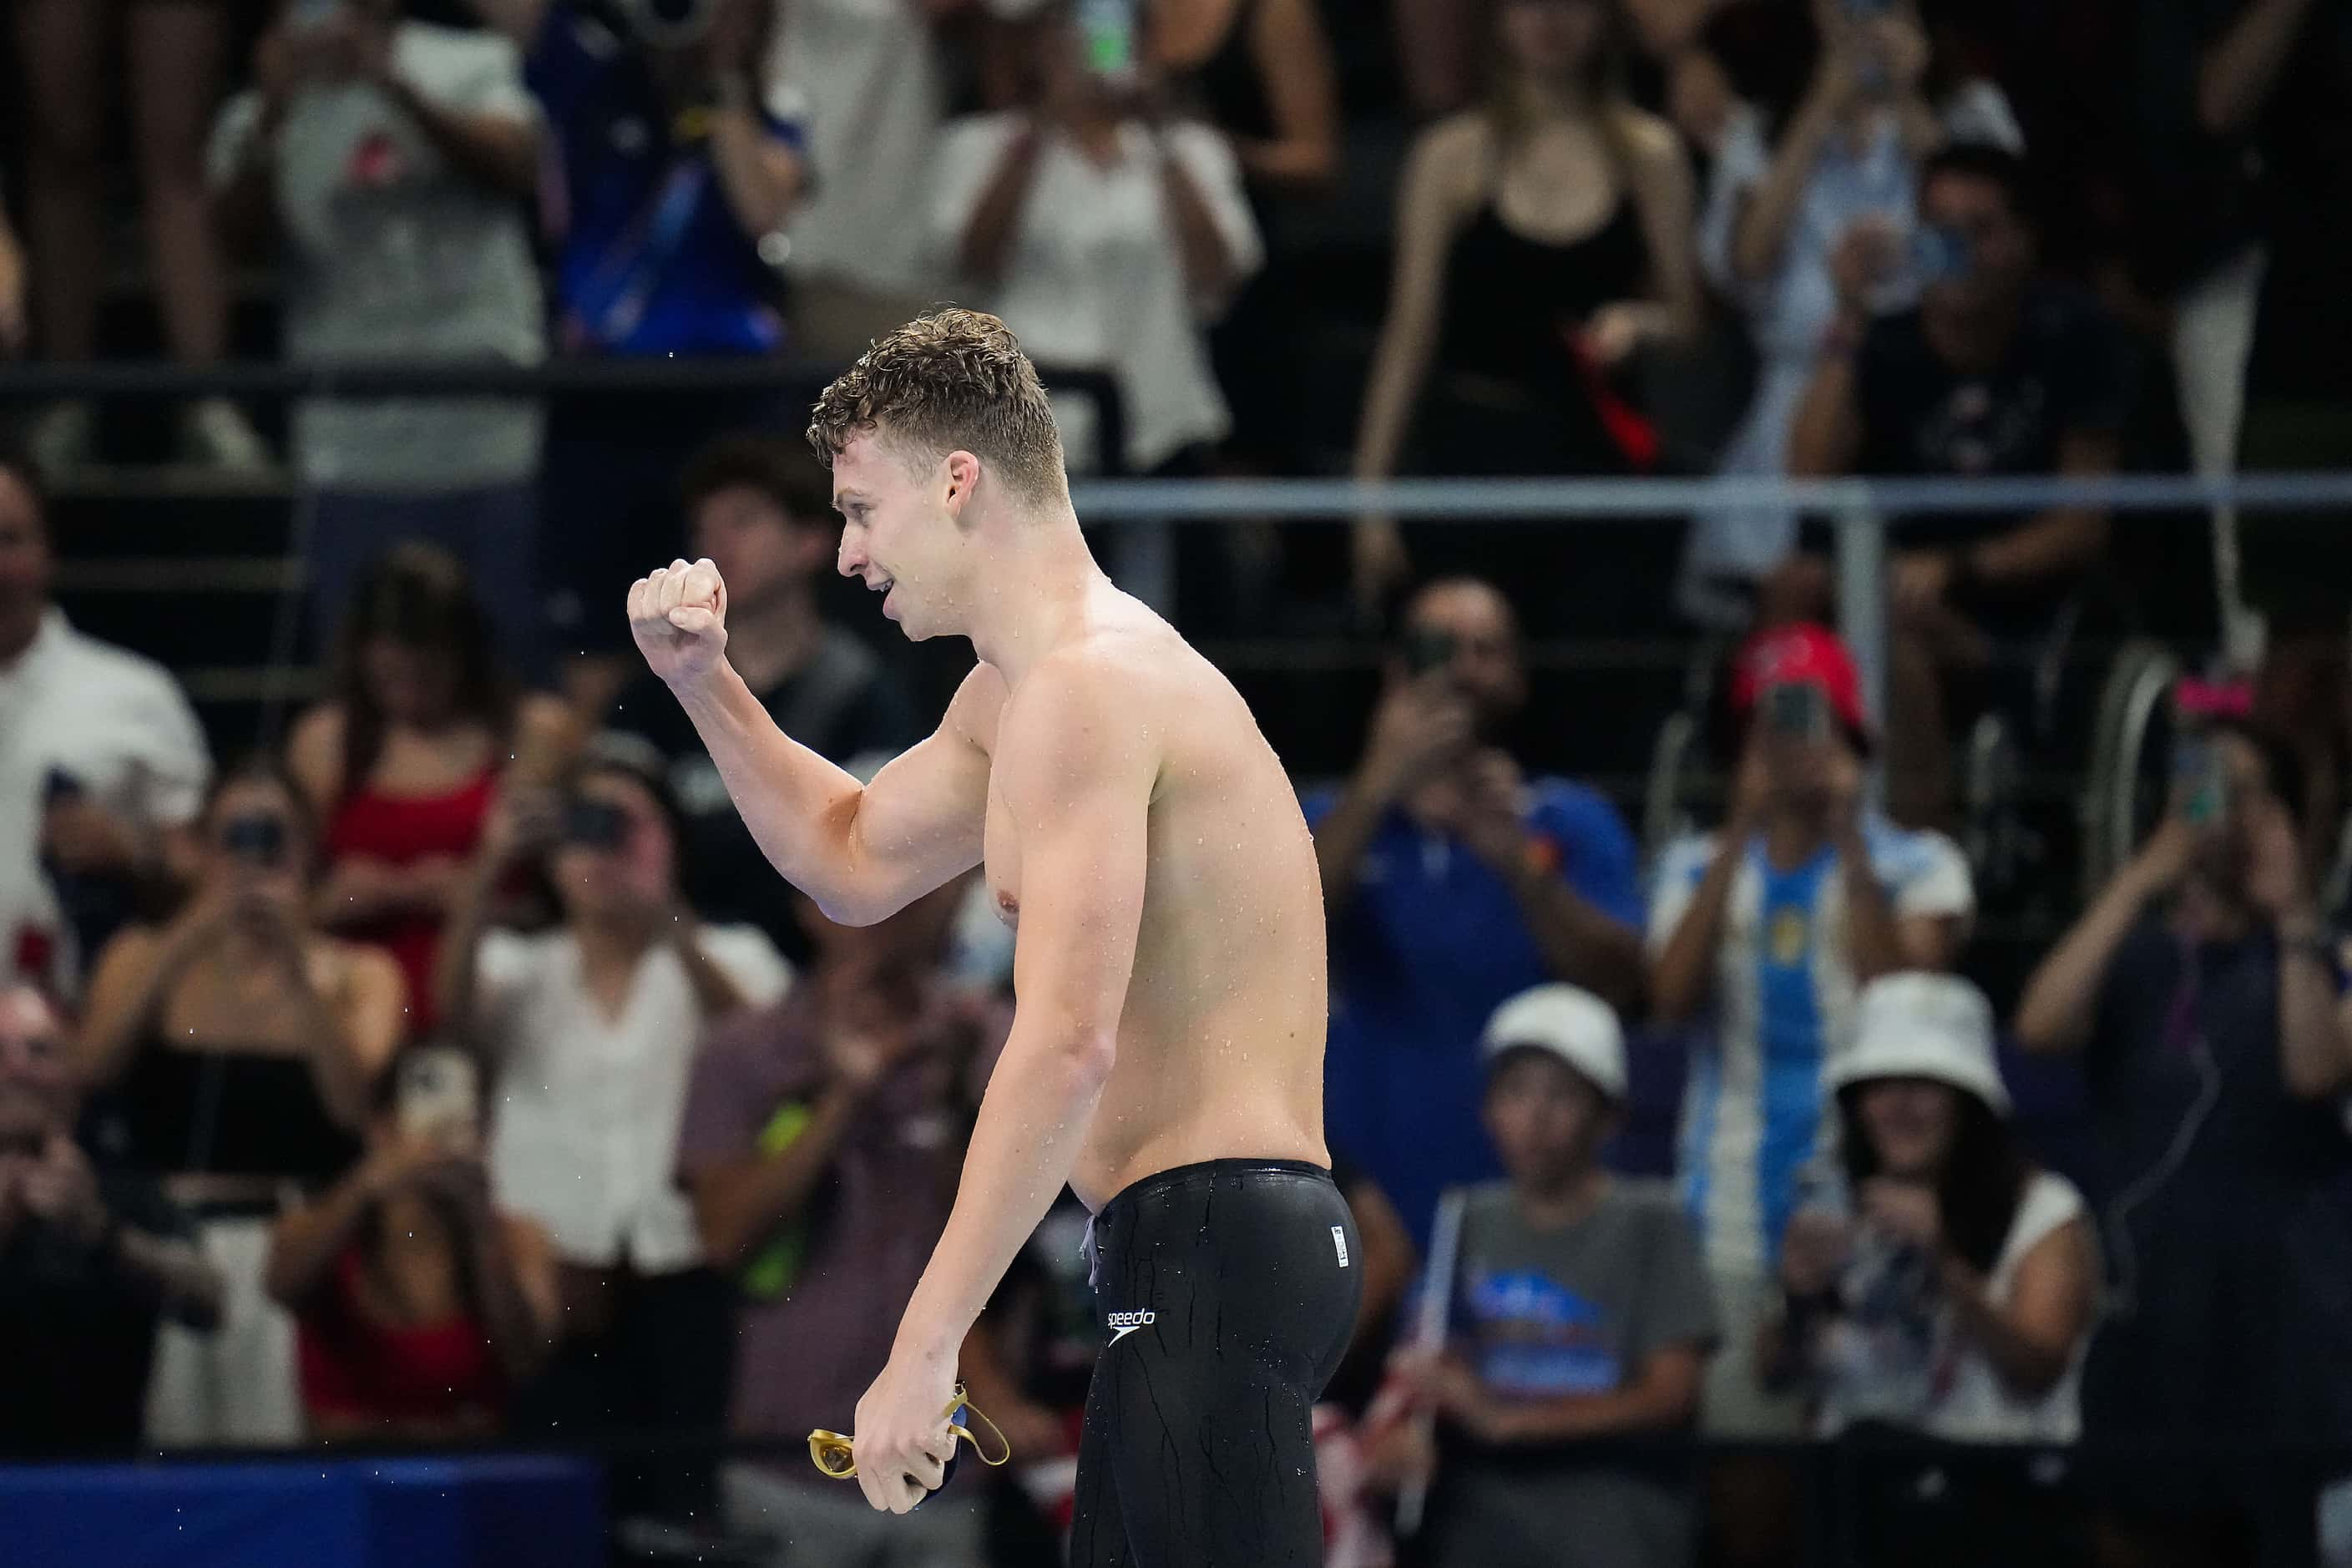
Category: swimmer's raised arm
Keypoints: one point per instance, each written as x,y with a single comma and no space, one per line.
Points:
862,852
1080,765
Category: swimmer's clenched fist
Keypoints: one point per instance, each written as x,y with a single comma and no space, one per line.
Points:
678,616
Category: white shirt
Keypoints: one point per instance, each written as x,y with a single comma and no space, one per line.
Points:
1931,1376
866,82
1094,276
1755,1113
120,727
584,1136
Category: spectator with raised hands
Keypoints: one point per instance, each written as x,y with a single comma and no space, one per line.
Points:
1994,372
395,161
102,763
1936,1282
1451,882
240,1044
1760,934
821,1143
677,164
588,1032
90,1260
1790,182
418,1303
1542,240
1105,231
2203,993
421,727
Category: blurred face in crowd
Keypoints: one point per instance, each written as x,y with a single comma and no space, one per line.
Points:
1474,626
24,565
617,857
1547,1119
256,844
2000,246
903,531
1552,40
413,683
1911,1122
37,1090
760,550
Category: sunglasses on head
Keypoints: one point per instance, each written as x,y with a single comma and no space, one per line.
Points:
832,1452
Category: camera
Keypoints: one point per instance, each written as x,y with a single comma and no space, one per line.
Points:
667,24
595,825
257,838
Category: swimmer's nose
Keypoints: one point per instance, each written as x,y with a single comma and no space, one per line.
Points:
849,561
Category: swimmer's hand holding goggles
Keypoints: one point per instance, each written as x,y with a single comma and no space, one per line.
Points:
832,1452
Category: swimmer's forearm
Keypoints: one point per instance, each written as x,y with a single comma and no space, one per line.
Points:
1032,1122
799,807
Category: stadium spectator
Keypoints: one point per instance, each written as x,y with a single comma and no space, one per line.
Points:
1789,180
1938,1283
393,159
1760,934
762,508
89,1261
2202,995
101,759
821,1141
1451,884
1579,1309
177,55
589,1030
418,1304
1105,232
1438,45
1993,373
872,83
240,1044
1261,73
1542,240
402,759
678,165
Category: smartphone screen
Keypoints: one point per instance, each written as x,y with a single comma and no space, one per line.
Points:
439,1096
1797,709
1106,30
1428,650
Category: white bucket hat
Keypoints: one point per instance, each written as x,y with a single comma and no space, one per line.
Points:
1935,1026
1573,1025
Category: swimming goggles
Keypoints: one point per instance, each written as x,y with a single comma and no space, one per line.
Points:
832,1452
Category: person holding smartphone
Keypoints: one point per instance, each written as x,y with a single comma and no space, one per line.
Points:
1761,933
238,1046
587,1034
418,1303
1452,881
2203,996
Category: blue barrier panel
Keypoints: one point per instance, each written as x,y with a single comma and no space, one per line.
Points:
516,1512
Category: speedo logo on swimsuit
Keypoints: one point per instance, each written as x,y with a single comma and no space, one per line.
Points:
1125,1323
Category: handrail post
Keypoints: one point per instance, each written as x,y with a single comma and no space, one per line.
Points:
1862,603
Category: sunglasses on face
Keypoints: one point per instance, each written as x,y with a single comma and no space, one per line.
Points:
832,1452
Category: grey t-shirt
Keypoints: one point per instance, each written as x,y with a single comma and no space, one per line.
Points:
393,254
1544,1313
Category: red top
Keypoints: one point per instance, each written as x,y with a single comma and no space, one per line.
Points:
357,1369
403,830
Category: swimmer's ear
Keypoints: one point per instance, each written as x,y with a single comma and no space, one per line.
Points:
963,473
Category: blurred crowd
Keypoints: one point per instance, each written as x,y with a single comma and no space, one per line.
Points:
455,1069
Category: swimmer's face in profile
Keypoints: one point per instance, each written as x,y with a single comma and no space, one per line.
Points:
904,531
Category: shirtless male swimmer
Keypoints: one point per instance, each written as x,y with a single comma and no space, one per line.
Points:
1166,1057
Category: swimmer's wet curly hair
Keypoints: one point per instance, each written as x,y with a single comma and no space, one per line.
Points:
951,378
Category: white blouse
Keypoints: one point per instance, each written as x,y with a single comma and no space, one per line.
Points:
1095,278
585,1112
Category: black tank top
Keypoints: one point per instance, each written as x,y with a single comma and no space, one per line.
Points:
230,1112
1508,298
